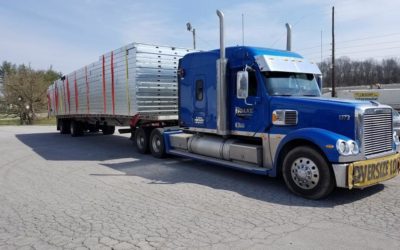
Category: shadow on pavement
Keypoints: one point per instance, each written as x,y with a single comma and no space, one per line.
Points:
118,153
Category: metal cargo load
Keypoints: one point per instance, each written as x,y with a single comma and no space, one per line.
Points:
137,79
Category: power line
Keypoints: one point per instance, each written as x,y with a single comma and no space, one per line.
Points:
362,51
351,40
357,46
370,44
369,37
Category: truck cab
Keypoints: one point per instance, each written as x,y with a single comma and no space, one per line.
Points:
277,123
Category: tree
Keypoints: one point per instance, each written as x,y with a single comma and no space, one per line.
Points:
25,89
367,72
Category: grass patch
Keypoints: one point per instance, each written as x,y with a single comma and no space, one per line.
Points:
9,122
45,121
39,121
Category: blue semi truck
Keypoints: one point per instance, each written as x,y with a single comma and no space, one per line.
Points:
260,110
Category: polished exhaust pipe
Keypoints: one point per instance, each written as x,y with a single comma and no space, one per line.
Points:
288,37
222,114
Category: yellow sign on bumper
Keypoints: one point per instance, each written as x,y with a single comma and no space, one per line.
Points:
370,172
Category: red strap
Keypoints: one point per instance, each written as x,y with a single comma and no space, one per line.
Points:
56,98
76,95
104,86
87,91
112,82
68,96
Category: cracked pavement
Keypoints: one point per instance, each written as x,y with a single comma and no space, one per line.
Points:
96,192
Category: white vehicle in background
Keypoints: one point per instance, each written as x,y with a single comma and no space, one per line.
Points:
388,94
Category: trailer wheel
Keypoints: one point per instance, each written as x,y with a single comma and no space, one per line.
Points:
108,130
157,145
306,173
76,128
142,140
93,128
64,126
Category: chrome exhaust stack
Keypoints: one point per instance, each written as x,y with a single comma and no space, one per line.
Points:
222,114
288,37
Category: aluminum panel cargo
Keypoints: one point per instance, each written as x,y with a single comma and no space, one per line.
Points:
134,79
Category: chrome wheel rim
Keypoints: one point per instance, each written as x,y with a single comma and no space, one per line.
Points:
156,143
140,141
305,173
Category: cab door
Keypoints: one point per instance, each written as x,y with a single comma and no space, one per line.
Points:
248,113
199,101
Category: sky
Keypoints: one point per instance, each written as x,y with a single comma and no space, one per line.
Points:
67,35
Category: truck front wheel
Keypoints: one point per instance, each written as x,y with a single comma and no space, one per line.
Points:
306,173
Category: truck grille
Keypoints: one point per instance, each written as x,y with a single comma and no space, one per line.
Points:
378,131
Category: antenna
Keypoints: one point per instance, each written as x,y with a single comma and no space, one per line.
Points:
242,29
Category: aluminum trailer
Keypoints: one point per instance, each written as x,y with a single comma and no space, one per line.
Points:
132,85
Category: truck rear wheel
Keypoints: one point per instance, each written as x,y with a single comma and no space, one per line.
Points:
108,130
64,126
157,145
142,137
76,128
306,173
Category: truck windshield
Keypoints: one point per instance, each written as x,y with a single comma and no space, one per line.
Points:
288,84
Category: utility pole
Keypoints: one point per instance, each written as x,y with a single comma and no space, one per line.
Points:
333,52
242,29
321,46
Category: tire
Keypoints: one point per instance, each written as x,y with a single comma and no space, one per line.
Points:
93,128
307,173
142,137
76,128
157,145
108,130
64,126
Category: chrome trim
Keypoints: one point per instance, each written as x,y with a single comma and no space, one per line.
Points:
340,171
274,141
359,119
286,64
245,133
351,158
203,130
267,157
380,155
359,134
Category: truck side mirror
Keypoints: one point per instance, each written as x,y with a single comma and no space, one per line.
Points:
319,81
242,84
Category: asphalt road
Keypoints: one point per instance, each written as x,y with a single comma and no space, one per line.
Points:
96,192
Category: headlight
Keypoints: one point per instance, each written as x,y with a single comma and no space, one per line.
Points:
396,137
349,147
342,147
353,147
